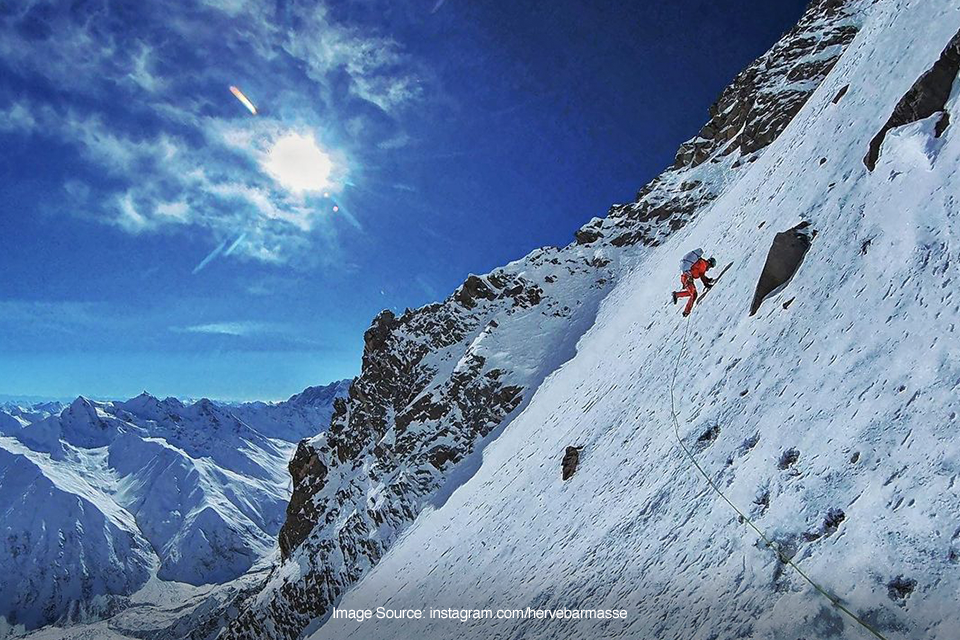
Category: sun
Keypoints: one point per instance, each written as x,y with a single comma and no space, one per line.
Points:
298,163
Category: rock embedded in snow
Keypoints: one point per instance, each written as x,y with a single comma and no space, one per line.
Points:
784,258
568,466
927,96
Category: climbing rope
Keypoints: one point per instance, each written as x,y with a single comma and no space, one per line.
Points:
743,517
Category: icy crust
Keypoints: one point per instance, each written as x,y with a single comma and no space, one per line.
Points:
830,417
100,498
438,384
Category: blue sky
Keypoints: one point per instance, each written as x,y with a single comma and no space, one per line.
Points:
153,235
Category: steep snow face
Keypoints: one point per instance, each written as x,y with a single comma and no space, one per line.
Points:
101,497
440,383
830,417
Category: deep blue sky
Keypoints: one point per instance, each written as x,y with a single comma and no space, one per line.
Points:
145,245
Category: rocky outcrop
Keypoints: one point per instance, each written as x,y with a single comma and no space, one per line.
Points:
435,385
784,258
927,96
568,466
750,114
439,382
753,111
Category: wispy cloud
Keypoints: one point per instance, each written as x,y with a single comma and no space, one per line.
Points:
397,141
427,287
55,323
375,64
167,147
242,328
273,333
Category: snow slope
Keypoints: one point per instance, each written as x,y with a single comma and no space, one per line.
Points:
116,505
830,416
440,383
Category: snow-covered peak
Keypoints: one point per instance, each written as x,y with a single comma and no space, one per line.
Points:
143,406
321,395
85,423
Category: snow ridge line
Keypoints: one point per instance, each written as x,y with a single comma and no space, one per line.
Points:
835,601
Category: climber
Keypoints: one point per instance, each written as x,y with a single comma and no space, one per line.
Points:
692,267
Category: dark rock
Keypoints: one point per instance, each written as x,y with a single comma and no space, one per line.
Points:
753,111
571,458
942,124
587,235
375,336
837,98
900,588
788,458
832,522
471,290
783,260
707,438
927,96
305,468
763,500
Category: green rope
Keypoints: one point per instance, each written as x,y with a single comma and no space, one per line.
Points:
743,517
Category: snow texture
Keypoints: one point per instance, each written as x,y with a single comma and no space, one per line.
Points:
440,383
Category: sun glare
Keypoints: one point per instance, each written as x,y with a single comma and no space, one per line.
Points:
298,163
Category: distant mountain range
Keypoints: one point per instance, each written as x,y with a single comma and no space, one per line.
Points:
100,497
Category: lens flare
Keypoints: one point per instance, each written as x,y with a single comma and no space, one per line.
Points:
243,99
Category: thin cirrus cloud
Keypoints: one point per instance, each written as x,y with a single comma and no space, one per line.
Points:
169,149
262,333
234,328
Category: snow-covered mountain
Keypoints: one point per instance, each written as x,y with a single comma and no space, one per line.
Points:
816,387
101,498
829,416
438,482
296,418
14,416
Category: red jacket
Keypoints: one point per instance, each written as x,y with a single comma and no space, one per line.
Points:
699,268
